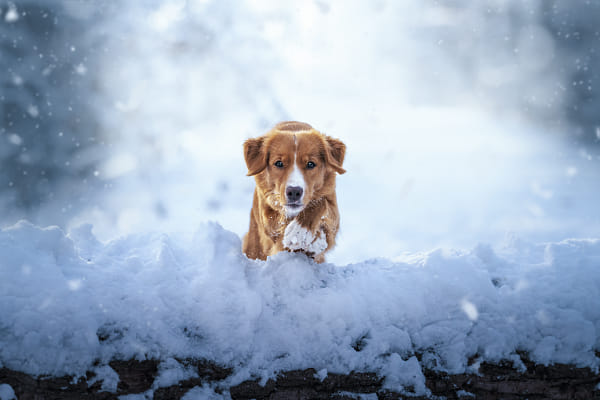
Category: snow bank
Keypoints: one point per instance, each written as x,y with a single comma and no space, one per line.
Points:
68,301
7,392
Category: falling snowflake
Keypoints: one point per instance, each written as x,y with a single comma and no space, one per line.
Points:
81,69
12,15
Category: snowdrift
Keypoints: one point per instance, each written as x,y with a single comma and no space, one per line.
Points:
70,304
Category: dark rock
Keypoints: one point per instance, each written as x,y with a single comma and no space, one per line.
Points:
503,381
208,370
493,382
176,391
303,384
27,387
135,376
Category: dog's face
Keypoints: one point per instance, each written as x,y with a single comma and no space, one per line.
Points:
294,164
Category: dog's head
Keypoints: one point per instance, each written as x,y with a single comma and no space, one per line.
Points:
294,164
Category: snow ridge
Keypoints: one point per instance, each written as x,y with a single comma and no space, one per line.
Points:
68,300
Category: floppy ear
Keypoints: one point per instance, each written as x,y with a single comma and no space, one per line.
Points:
336,150
255,155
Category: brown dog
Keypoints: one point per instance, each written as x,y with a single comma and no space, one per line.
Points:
294,206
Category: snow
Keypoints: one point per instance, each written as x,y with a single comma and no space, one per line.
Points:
204,392
12,15
108,377
7,392
69,301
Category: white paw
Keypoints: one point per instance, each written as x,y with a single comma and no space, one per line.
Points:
297,237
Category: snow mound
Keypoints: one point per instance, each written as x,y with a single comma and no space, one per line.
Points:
69,302
7,392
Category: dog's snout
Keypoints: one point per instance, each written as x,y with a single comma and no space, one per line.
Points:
293,193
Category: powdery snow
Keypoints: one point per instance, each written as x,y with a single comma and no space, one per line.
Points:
7,392
69,300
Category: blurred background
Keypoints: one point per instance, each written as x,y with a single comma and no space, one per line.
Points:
465,122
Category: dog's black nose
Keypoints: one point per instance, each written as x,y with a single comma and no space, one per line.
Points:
293,193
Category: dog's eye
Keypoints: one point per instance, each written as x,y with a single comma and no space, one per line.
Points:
279,164
310,165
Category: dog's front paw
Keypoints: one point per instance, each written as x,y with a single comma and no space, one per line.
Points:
296,237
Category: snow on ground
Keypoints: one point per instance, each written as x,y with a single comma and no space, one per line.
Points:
69,300
7,392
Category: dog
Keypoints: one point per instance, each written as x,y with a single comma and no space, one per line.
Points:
295,205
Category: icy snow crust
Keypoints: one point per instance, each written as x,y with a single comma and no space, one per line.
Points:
67,301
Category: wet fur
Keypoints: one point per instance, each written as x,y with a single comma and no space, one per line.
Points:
268,218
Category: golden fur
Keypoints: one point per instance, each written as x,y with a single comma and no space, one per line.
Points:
277,222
